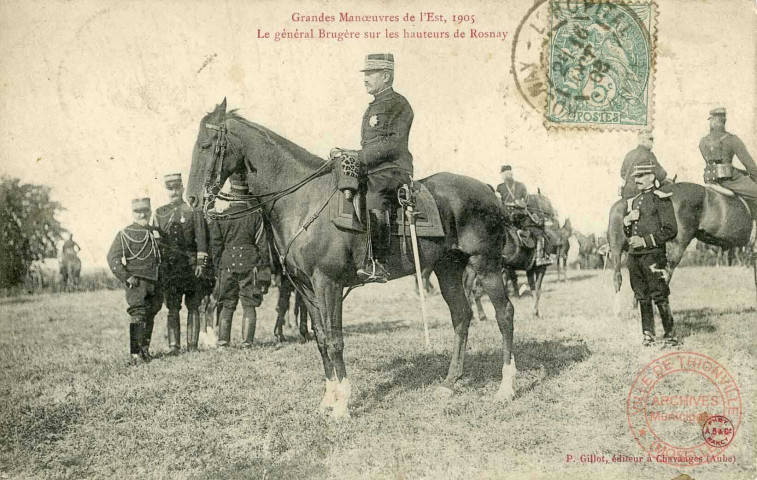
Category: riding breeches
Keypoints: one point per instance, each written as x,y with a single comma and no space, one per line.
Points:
236,286
742,185
188,287
649,276
144,300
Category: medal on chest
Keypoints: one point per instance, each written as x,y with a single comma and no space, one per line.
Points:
373,121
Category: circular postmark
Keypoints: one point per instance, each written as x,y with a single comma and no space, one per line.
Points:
528,56
718,431
681,409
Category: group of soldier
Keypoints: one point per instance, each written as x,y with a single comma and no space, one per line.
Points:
175,255
650,220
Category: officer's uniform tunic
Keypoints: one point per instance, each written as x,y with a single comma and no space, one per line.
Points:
656,225
134,252
385,157
239,251
180,232
719,147
639,156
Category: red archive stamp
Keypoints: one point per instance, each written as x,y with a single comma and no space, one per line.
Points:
684,409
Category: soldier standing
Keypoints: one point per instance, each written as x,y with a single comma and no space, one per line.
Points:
134,259
70,247
649,223
642,154
718,149
240,255
184,249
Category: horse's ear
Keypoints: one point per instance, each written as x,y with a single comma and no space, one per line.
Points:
222,107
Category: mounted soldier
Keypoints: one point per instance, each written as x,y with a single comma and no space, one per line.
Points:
718,149
242,263
515,199
184,246
642,154
384,162
134,258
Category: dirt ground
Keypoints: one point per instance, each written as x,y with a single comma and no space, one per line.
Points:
71,409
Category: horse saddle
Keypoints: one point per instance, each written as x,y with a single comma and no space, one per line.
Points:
526,238
428,222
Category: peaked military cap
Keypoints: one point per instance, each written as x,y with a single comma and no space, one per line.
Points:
642,169
505,168
140,204
378,61
172,178
717,112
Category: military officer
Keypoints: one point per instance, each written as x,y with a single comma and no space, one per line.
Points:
240,256
514,196
649,223
718,149
384,158
642,154
134,259
184,250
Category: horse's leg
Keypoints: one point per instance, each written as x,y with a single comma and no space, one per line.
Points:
617,279
479,307
531,274
328,298
539,278
449,273
504,312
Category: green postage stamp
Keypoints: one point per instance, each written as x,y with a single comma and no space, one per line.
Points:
601,64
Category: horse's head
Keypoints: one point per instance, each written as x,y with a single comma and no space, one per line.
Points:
214,158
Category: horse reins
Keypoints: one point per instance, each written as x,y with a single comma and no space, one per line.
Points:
213,192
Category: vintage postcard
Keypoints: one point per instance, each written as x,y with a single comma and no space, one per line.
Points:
359,240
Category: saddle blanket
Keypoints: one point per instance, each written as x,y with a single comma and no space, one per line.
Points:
428,222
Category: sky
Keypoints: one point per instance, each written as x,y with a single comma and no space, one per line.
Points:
100,99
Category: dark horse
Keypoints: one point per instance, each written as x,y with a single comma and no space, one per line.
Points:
701,213
517,256
294,188
559,245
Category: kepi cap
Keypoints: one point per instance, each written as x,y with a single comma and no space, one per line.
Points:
505,168
172,178
378,61
642,169
717,112
140,204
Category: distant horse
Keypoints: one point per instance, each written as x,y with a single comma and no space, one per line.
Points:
701,213
517,256
587,249
559,245
294,188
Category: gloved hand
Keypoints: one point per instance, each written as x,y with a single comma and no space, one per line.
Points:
132,282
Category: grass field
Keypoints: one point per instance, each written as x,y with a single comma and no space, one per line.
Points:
70,409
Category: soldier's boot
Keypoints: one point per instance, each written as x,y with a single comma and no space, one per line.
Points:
373,270
249,322
147,328
136,355
647,323
193,330
224,329
174,332
666,315
541,256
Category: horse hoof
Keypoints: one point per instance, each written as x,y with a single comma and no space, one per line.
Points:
442,392
281,338
340,413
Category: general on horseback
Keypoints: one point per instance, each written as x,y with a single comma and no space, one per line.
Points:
321,238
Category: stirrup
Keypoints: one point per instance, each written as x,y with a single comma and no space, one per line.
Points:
373,276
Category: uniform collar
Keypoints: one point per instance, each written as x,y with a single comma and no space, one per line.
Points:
383,94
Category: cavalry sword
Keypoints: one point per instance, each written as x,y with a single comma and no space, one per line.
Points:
410,213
